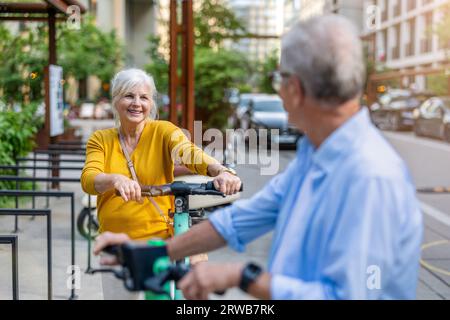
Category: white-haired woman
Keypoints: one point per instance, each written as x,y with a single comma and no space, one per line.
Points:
150,146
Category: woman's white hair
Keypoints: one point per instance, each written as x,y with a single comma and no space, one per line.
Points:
128,79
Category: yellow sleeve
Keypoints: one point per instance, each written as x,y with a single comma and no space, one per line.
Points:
94,165
182,150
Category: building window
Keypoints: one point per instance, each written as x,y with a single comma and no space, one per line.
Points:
410,47
398,8
396,49
384,13
426,44
412,5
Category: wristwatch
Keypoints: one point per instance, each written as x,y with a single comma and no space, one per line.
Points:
229,170
249,274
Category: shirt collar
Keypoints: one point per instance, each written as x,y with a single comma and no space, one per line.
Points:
338,143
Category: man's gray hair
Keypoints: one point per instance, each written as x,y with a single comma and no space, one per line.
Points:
126,80
325,53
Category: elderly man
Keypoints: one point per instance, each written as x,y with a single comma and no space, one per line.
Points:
345,216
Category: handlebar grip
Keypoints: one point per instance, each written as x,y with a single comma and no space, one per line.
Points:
112,250
210,186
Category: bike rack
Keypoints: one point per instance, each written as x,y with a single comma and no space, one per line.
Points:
58,194
47,214
34,168
12,239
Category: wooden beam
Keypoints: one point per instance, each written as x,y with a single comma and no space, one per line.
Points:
173,63
60,5
28,18
15,7
188,57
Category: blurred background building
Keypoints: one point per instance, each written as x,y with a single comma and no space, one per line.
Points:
296,10
404,39
261,18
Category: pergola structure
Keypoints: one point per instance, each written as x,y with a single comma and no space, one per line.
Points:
181,77
49,11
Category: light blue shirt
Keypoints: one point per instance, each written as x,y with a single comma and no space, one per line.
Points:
347,224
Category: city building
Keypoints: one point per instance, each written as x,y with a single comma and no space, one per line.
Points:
402,37
296,10
263,19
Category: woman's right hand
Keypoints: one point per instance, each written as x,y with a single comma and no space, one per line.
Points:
128,188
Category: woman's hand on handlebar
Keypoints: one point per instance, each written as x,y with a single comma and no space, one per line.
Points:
227,183
128,188
108,239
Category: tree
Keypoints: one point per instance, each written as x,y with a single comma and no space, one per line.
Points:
214,22
158,66
266,69
216,71
83,52
89,51
23,60
440,84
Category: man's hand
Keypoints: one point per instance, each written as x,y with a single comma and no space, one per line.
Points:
207,277
107,239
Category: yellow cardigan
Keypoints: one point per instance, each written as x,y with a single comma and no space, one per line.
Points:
153,159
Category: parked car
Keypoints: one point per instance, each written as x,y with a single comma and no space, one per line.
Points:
241,107
432,119
267,112
395,110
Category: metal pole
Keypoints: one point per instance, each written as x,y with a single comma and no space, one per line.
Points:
15,268
89,268
49,258
72,215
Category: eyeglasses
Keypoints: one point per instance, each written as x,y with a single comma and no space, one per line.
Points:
277,79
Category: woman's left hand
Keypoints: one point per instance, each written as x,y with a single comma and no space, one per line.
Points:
227,183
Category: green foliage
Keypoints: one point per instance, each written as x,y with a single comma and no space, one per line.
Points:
214,22
438,84
158,66
83,52
442,29
23,60
17,129
265,70
89,51
216,71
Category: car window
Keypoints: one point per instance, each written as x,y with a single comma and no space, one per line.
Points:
268,106
244,102
432,108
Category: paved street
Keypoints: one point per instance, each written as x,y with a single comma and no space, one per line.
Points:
428,160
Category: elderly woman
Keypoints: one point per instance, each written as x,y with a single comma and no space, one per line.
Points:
151,146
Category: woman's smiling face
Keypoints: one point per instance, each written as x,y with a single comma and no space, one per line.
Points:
135,105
